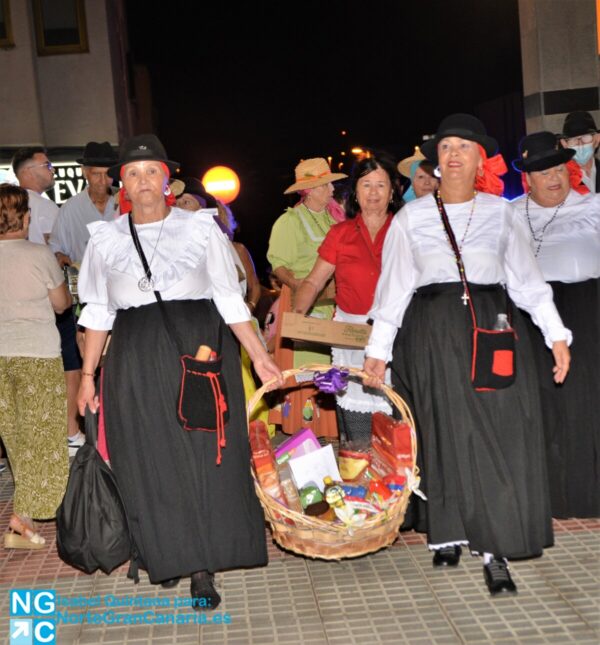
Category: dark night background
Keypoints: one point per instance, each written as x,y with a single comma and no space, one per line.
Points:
259,85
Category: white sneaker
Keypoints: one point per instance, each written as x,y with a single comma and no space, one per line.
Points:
75,442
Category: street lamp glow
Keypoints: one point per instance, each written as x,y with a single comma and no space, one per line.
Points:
223,183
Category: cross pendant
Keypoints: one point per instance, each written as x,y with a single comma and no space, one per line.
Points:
465,298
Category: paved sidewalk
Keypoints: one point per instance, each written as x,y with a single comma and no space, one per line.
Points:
394,596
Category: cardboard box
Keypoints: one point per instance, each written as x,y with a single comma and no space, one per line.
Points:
329,332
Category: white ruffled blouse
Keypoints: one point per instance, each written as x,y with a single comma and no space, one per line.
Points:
192,260
570,245
495,249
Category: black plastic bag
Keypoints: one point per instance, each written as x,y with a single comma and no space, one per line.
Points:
92,531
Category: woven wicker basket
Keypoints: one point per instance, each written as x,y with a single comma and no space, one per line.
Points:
315,538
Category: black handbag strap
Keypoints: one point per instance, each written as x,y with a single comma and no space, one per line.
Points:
91,427
459,261
166,320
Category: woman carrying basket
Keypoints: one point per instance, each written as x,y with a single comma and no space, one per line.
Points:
351,252
483,451
188,513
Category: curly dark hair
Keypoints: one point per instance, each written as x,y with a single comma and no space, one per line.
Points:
14,204
364,167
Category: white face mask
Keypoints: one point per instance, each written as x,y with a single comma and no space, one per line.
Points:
583,153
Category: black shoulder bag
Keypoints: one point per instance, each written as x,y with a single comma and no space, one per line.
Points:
202,399
493,354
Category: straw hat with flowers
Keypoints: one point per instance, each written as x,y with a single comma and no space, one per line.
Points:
311,173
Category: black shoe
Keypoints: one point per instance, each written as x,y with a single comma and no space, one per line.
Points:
203,590
497,577
447,556
169,584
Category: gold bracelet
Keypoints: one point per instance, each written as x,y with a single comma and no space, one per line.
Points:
88,374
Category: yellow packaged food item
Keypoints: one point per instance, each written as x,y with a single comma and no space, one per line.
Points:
351,465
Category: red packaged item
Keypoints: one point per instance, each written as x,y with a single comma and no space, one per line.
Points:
391,442
395,483
380,490
265,466
394,480
263,456
379,466
379,495
259,436
263,459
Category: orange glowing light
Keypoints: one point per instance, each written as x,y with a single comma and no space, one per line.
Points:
223,183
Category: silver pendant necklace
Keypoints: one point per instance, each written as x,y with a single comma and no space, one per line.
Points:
146,282
540,239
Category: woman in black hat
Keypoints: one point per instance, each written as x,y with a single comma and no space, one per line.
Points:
483,452
563,220
188,515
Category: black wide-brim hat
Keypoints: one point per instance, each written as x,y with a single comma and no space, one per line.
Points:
465,126
99,155
143,147
578,123
540,151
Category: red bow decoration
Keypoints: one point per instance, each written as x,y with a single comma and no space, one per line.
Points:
493,167
576,177
125,204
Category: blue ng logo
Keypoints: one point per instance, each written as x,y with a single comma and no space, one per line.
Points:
31,622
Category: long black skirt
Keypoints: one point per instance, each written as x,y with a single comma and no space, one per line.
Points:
483,459
571,411
187,514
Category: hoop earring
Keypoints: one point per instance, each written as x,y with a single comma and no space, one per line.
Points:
436,172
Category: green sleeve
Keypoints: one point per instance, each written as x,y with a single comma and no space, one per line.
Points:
283,247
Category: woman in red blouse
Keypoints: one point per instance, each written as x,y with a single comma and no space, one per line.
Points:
352,251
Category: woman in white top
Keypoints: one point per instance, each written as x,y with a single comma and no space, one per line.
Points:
483,452
563,220
187,514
